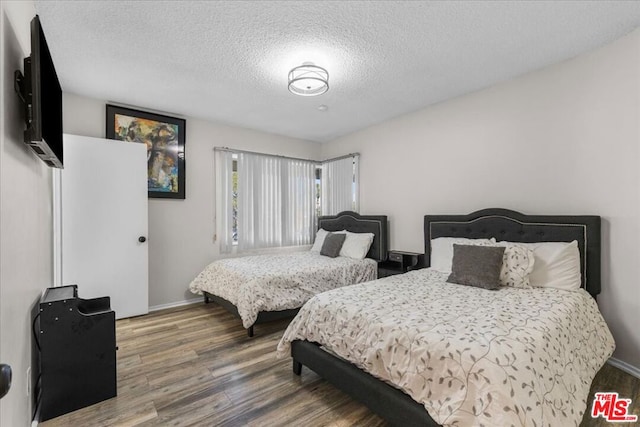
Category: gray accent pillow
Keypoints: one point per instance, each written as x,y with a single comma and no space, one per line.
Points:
332,244
477,266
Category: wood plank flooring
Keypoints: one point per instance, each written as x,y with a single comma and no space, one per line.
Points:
195,366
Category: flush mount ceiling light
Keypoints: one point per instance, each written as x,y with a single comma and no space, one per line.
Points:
308,80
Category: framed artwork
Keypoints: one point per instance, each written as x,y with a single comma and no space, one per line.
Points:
164,138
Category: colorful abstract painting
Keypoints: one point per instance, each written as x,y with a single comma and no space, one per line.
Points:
164,139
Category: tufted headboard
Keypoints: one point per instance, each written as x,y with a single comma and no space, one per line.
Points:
504,224
356,223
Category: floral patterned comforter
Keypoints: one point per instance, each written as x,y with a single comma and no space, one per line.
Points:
279,281
471,356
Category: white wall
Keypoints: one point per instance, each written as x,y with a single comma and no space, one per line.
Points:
181,231
25,219
562,140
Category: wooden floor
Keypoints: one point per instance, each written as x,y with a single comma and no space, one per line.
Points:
195,366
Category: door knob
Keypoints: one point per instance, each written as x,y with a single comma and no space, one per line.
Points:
5,379
142,239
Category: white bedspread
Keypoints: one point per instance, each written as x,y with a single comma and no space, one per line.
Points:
471,356
279,281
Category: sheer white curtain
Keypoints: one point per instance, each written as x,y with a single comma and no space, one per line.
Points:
340,185
275,201
224,198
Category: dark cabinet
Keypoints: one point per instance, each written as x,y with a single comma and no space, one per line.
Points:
75,345
399,262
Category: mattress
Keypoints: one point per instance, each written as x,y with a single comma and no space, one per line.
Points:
471,356
279,281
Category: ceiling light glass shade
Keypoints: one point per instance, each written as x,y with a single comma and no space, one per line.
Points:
308,80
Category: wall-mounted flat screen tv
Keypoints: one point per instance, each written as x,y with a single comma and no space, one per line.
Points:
42,95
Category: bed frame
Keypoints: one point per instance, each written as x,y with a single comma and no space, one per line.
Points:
347,220
394,405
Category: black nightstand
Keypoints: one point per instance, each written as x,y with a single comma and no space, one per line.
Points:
399,262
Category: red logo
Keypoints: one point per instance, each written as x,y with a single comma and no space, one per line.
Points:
611,408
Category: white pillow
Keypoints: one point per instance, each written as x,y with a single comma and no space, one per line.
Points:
517,264
557,265
442,250
320,236
356,245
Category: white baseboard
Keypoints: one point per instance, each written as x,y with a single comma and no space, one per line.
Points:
624,366
175,304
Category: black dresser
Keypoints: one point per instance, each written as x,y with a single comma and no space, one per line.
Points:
74,351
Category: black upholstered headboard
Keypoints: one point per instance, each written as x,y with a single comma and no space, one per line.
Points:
356,223
513,226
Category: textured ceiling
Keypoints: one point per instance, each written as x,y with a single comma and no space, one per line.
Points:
227,61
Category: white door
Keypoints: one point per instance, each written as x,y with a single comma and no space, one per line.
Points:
104,221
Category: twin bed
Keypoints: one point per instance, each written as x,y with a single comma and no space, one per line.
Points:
419,350
268,287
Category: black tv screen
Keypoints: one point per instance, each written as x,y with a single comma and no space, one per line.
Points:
43,100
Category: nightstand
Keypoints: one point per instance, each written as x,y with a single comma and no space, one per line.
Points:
399,262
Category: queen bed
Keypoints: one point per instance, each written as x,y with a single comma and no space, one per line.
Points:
419,350
263,288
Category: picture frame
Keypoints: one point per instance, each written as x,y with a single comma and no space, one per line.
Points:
164,137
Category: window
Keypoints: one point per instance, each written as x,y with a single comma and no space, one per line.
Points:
234,199
318,204
265,201
269,201
340,185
